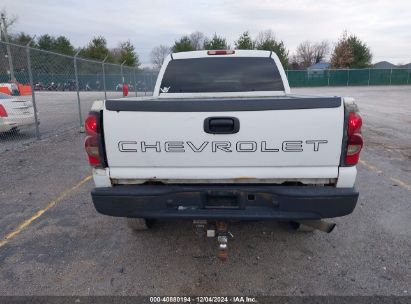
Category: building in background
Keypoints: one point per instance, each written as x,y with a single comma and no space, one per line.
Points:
384,65
318,69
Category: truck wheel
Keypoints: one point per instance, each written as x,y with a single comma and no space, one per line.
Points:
301,227
138,224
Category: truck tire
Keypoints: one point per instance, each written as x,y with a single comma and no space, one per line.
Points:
138,224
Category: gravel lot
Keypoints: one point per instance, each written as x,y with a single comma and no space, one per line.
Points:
72,250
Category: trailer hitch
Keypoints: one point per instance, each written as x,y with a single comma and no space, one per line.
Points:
222,238
218,229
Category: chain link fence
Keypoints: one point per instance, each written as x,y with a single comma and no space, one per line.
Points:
44,93
47,93
349,77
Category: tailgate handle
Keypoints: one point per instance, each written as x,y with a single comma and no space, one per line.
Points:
221,125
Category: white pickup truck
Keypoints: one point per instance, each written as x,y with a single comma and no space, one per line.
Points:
223,139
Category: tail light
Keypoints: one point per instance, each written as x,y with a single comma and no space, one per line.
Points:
93,139
354,140
3,112
221,52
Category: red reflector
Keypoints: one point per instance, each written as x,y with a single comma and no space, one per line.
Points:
3,112
354,123
221,52
93,161
91,124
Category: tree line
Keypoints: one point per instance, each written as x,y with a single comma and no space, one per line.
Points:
348,52
96,49
198,41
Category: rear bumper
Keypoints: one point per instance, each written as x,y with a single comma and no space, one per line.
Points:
240,202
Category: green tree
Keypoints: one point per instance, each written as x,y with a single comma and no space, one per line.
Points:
360,51
244,42
128,54
45,42
350,52
216,43
96,49
46,63
183,45
22,39
63,45
266,41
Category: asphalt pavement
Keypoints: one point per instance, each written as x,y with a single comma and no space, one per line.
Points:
59,245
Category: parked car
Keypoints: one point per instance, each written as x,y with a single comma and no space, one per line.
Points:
15,114
222,139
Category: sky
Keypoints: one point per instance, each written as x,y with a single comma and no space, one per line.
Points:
384,25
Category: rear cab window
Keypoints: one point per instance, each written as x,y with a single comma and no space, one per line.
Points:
221,74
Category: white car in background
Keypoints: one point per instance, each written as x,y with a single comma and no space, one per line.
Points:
15,114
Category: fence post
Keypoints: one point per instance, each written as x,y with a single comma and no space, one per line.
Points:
154,80
78,92
145,84
348,76
33,95
104,77
135,83
121,71
151,82
408,76
328,78
391,77
369,76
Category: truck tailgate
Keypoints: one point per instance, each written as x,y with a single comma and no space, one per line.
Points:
276,137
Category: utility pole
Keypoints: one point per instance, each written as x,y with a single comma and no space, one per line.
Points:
104,77
78,92
33,95
6,38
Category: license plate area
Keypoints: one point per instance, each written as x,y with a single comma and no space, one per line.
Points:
222,200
